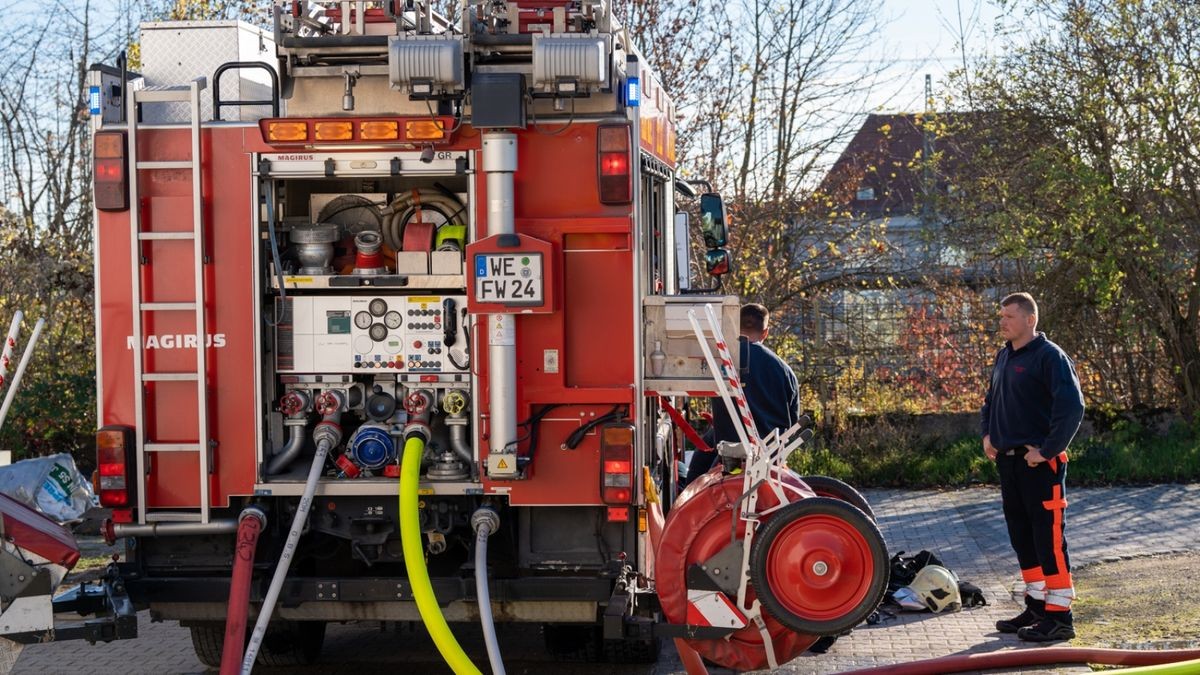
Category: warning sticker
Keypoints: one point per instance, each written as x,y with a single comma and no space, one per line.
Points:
502,330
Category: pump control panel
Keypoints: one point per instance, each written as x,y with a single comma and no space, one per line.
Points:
379,334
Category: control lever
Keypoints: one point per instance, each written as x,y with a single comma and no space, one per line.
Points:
449,322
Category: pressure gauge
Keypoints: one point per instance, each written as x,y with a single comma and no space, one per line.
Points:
378,307
393,319
362,320
378,332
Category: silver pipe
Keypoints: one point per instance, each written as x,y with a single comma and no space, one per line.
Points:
218,526
458,441
282,458
500,163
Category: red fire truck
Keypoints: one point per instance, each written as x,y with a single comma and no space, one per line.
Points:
385,285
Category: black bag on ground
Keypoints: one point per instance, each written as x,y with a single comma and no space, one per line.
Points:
904,568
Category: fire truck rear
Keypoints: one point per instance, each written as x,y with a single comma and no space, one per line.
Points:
373,246
396,318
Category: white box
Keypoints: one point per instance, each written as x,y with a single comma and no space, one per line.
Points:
177,52
446,262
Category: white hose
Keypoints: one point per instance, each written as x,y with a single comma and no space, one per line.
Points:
485,524
14,332
16,380
285,560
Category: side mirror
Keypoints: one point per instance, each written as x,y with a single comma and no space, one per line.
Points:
712,220
717,261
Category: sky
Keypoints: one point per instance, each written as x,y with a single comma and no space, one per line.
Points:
921,36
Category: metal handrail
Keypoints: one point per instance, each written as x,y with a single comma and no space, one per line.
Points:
238,65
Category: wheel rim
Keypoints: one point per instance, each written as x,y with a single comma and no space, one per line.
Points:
819,567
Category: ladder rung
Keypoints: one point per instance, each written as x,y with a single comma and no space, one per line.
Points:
174,164
170,377
172,447
167,306
166,235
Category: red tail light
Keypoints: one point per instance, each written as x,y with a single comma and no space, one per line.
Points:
113,451
616,179
616,457
110,171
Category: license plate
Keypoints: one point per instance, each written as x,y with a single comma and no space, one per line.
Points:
509,278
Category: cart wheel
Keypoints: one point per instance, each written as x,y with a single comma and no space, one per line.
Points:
819,566
825,486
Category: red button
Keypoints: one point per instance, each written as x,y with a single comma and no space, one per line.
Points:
417,344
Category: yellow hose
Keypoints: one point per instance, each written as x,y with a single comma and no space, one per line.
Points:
414,562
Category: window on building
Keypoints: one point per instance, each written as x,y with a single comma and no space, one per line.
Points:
865,194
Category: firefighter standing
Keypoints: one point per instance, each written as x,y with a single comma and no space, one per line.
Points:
771,389
1032,410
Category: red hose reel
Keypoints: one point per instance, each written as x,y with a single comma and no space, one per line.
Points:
817,565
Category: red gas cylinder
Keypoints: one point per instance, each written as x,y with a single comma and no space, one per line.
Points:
830,537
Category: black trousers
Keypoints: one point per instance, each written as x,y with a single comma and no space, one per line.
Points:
1034,500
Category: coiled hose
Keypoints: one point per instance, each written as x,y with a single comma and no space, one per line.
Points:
414,560
400,212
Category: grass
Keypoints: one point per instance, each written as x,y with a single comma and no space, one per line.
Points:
1139,603
92,562
1125,454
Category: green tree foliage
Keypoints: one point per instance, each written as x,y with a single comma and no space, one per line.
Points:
46,228
1084,166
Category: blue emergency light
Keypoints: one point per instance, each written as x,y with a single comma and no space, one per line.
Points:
633,92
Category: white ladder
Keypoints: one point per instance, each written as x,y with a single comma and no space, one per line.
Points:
190,94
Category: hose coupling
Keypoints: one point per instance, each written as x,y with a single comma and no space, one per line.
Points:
253,511
329,432
485,516
418,430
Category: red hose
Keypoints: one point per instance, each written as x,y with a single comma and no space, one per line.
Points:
1013,658
692,663
249,527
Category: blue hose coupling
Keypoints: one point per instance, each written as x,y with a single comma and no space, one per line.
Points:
372,447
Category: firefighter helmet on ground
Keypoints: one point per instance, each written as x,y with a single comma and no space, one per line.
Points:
937,587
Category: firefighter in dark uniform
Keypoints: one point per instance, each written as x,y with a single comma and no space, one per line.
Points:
1032,410
771,389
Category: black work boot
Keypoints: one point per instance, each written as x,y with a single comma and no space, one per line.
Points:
1035,611
1054,627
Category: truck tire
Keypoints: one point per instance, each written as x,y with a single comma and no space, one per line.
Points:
291,643
208,641
574,643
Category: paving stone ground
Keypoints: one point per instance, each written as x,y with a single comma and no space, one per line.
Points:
964,527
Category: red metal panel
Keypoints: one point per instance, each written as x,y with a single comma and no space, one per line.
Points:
174,479
590,337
